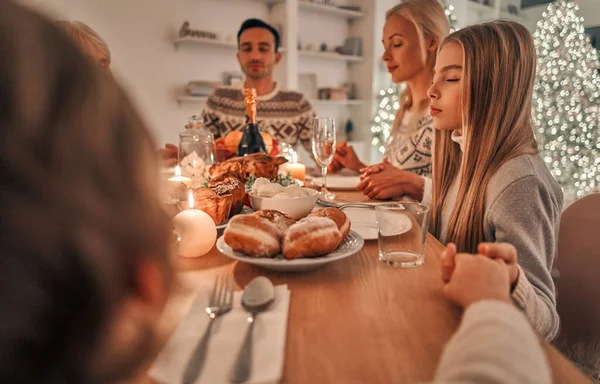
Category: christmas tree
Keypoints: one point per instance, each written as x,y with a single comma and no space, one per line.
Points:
389,100
566,100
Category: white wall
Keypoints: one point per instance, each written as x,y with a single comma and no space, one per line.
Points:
140,35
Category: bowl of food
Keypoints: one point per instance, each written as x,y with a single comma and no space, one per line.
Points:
293,200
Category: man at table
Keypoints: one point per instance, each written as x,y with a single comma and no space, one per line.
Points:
285,115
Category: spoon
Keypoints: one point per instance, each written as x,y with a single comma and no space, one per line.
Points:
257,297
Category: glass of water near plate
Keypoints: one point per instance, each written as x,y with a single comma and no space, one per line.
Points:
402,232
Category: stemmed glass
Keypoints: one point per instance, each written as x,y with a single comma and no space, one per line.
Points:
323,148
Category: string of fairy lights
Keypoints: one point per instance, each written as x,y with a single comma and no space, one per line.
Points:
566,100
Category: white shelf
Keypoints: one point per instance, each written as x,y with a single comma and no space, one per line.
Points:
268,2
192,99
204,41
510,16
480,8
202,99
329,9
330,56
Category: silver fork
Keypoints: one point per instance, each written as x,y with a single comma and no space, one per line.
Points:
329,204
220,302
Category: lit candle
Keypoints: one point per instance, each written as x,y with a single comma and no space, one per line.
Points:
180,179
176,186
196,229
297,170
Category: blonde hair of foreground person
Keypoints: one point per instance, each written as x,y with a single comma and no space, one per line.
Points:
88,40
498,77
85,241
430,21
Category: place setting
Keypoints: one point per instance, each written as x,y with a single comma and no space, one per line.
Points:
228,336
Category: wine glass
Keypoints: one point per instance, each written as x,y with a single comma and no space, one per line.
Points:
323,148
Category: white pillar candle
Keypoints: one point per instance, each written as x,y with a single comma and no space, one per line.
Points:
196,229
297,170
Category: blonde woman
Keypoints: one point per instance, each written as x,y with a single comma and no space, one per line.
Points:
411,34
85,242
489,182
88,41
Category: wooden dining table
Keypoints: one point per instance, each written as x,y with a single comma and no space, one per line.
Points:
356,320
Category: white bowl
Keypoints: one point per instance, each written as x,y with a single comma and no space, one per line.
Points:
296,207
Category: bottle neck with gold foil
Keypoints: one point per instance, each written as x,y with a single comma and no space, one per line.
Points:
250,100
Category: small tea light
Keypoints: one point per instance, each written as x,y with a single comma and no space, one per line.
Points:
180,179
196,229
296,169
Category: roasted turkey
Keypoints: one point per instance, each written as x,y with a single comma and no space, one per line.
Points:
257,165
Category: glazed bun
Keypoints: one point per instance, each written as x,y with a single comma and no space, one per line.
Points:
311,237
280,219
254,236
339,217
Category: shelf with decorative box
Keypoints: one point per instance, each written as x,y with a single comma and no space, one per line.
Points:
350,14
478,11
207,41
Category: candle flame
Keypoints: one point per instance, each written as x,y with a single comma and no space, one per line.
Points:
178,171
190,199
294,157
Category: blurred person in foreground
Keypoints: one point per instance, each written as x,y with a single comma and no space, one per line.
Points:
495,343
84,246
88,41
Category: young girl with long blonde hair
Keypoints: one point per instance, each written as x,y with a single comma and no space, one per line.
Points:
489,183
412,32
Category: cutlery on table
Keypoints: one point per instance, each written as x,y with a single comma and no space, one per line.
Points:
220,302
257,297
329,204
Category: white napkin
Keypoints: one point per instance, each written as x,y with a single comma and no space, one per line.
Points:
226,340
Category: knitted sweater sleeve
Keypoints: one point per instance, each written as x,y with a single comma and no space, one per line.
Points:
523,215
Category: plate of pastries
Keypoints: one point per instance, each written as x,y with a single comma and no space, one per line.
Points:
274,240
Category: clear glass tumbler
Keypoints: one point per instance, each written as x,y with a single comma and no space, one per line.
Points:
402,232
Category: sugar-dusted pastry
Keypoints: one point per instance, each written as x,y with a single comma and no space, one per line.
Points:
217,206
252,235
311,237
280,219
337,216
234,187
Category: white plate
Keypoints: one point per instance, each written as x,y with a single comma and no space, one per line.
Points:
349,246
245,210
339,182
364,222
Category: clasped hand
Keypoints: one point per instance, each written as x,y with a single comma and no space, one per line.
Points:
385,181
489,275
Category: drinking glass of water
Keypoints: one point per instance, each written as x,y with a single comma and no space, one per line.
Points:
402,231
323,148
